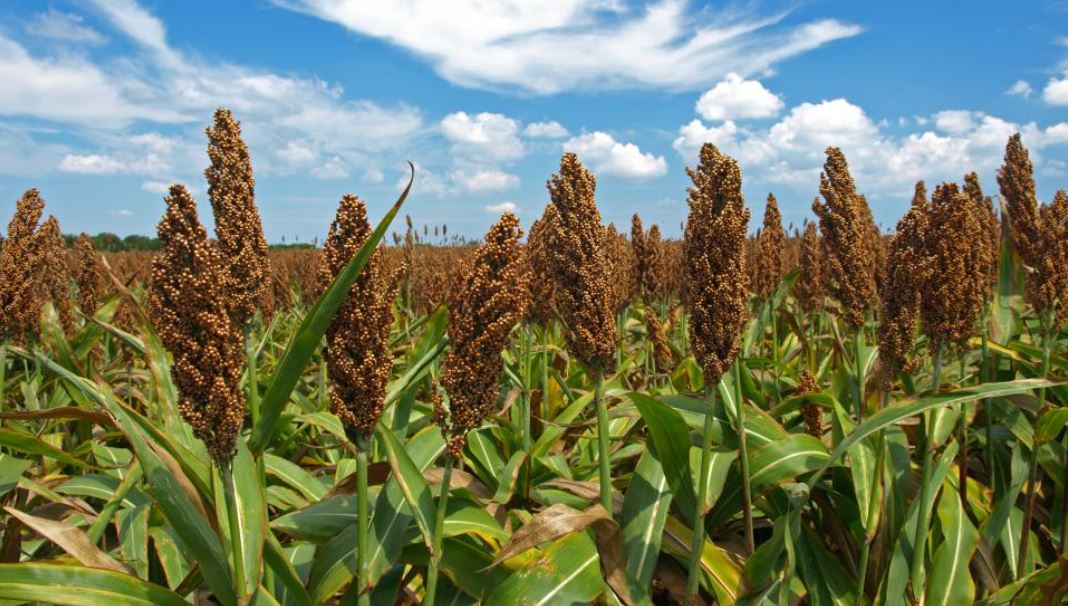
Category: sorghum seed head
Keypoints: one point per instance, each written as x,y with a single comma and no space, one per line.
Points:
489,300
88,276
578,262
55,271
716,283
849,251
813,414
954,293
357,352
21,262
231,189
187,306
623,279
901,288
770,261
809,286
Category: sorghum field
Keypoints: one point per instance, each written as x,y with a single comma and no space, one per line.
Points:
561,413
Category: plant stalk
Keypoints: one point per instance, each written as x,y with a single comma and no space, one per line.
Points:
743,453
1048,335
439,529
604,463
363,518
698,539
858,370
920,541
226,469
253,383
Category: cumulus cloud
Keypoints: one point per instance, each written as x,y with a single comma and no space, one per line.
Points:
91,164
484,136
1056,91
484,180
610,157
290,122
1020,88
547,130
333,168
736,98
580,44
503,207
790,152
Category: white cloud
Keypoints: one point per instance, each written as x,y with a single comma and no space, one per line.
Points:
373,175
67,27
484,180
610,157
791,151
333,168
503,207
163,187
548,130
549,47
484,136
1020,88
735,98
956,121
124,212
1056,91
297,153
91,164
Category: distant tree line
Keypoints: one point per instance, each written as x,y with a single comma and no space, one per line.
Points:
109,242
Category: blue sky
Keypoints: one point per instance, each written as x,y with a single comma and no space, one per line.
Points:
105,101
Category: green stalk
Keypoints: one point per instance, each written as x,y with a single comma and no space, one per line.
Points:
363,518
962,465
1048,335
226,469
859,375
603,461
545,370
988,409
3,372
774,348
253,383
439,529
698,539
743,453
525,412
112,506
920,541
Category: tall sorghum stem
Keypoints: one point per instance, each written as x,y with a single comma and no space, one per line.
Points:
1048,334
226,470
858,369
604,463
3,371
698,539
920,541
988,409
545,371
251,368
525,360
872,514
743,453
363,518
439,528
962,437
772,316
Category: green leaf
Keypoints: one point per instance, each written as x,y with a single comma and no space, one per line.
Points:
307,337
295,476
567,572
251,507
30,444
645,510
410,479
670,440
950,582
80,586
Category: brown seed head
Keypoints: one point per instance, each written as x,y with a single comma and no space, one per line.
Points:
542,285
813,414
489,300
849,251
662,355
623,279
237,220
1037,234
578,261
187,306
55,270
809,286
770,260
716,285
87,276
357,353
21,262
954,293
900,290
983,207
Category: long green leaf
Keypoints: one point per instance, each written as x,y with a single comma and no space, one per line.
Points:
80,586
306,339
